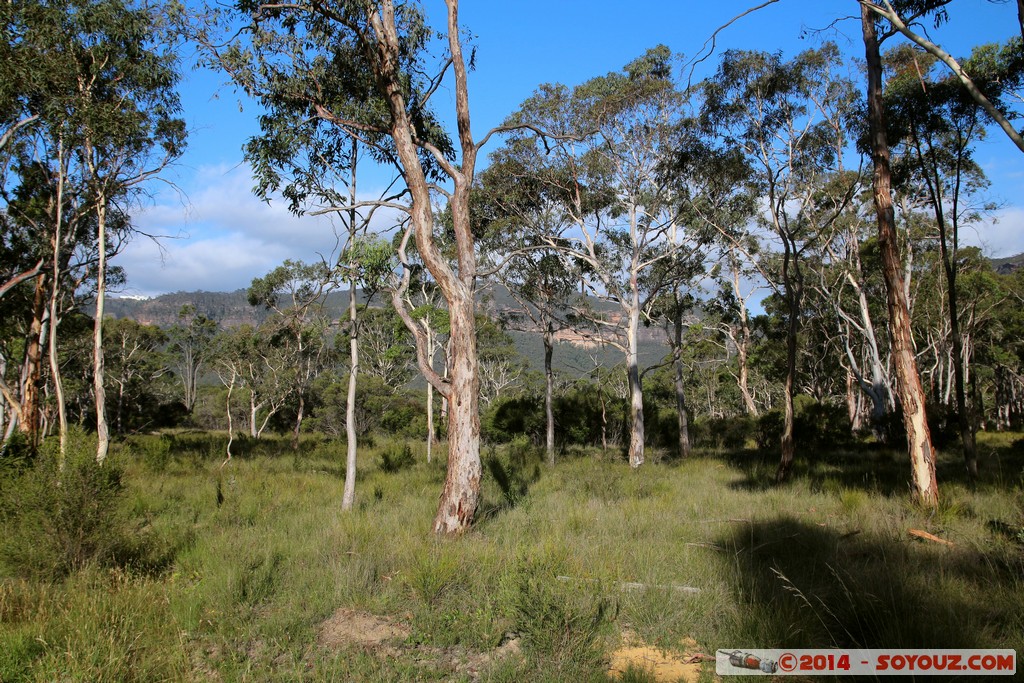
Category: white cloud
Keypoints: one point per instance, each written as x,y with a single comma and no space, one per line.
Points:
1000,235
221,237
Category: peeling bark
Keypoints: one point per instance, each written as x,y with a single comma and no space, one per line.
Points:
32,374
636,392
681,412
908,381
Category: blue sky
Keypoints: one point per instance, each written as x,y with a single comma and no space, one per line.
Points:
220,237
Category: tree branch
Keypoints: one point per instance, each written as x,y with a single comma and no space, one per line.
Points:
397,300
21,277
893,17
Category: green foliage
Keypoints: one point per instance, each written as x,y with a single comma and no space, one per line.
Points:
554,620
434,572
395,458
246,585
57,519
602,484
386,348
510,416
256,578
369,261
816,427
726,433
579,414
156,452
15,455
378,406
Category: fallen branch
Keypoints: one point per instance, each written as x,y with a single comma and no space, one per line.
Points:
698,658
929,537
634,586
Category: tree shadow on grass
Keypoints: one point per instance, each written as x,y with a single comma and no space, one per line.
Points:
799,585
871,467
507,480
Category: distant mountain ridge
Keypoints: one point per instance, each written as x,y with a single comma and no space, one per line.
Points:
231,309
1008,265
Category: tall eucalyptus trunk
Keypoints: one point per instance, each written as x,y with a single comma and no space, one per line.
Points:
349,495
677,361
99,391
549,391
636,391
32,370
908,381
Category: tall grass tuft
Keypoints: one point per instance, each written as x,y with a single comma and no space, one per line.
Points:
559,624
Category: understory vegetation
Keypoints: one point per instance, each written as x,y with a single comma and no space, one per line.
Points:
177,566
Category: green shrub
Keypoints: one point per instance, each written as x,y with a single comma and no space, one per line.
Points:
395,458
822,425
768,432
509,417
433,572
554,620
55,520
156,452
816,426
728,433
15,455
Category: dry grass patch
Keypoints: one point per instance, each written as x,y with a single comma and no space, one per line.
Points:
659,665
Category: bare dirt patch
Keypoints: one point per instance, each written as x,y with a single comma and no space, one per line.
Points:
349,627
661,664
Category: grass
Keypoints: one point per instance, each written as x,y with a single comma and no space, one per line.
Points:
258,554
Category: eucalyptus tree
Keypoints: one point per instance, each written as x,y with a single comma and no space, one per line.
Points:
908,380
517,212
542,282
385,347
366,261
616,190
364,68
720,202
88,114
849,290
314,163
789,121
936,124
32,76
191,348
130,132
136,363
424,303
737,284
501,366
674,310
50,203
994,78
255,359
296,292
